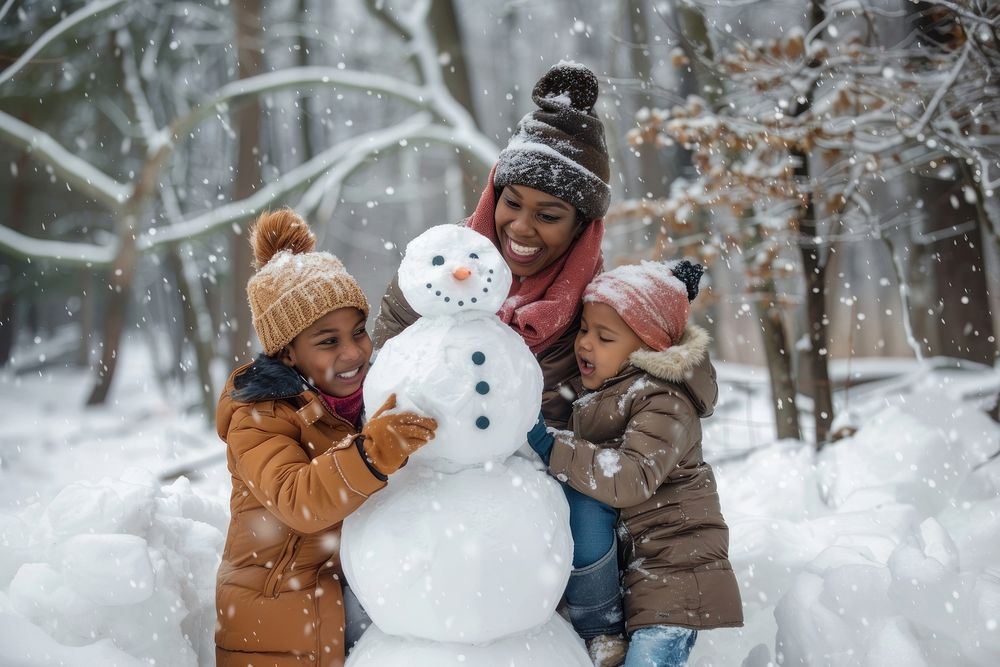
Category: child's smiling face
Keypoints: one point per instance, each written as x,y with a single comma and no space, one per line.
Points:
333,353
603,344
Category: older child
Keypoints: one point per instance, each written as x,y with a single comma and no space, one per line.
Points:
635,448
299,465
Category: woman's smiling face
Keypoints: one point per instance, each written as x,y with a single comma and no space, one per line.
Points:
533,228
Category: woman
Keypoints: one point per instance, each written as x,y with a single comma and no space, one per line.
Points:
543,208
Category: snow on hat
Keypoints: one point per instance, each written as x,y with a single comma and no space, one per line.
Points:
294,286
652,297
559,148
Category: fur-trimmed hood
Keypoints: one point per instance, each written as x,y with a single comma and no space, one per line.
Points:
266,378
685,364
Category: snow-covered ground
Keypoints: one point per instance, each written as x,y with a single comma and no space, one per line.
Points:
881,550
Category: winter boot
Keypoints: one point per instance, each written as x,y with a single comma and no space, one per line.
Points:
593,597
607,650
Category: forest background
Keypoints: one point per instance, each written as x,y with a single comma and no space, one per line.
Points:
834,163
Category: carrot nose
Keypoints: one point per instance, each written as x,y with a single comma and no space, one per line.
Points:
461,273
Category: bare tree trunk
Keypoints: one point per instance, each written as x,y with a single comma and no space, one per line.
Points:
695,41
656,165
122,272
194,327
87,317
779,364
8,299
957,319
447,31
814,269
817,324
305,103
774,340
8,316
248,45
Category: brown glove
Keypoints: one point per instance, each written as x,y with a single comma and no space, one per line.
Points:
390,438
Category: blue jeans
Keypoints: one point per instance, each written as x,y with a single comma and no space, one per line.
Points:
660,646
593,526
593,594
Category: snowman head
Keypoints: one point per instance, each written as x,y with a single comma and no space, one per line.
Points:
451,269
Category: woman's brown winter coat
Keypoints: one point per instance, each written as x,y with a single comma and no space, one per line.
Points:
296,474
636,446
558,361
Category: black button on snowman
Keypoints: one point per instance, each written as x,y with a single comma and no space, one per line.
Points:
482,387
468,546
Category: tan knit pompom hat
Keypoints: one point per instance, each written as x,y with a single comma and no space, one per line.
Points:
294,286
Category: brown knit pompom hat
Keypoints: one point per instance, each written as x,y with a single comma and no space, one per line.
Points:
294,286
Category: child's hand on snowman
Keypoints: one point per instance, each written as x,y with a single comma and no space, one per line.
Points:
390,437
541,440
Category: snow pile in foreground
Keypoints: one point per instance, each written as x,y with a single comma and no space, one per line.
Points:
112,573
880,550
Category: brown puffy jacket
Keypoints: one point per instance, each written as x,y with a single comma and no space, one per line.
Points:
558,360
636,445
296,474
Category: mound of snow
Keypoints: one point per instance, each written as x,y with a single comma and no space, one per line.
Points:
879,550
112,573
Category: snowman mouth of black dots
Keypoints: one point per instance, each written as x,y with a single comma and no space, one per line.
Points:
462,282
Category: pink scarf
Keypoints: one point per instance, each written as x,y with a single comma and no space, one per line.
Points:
541,307
347,407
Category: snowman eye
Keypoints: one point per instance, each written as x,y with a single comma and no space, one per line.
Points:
438,260
473,256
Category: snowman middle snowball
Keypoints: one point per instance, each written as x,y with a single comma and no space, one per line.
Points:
459,363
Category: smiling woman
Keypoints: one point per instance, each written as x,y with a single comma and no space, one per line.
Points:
543,210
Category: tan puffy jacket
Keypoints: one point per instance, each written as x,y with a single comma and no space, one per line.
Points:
636,445
296,474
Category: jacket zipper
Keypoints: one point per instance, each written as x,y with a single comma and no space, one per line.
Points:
271,583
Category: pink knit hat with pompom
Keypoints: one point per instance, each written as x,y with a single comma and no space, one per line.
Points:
652,297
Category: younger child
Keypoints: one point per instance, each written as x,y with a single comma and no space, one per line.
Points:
299,465
635,448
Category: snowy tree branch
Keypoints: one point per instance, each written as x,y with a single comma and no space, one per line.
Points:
77,172
211,221
82,15
344,158
74,253
5,8
939,94
379,10
133,86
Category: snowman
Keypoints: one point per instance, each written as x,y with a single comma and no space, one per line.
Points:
465,555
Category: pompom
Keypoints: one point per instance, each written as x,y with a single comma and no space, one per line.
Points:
689,274
275,231
566,85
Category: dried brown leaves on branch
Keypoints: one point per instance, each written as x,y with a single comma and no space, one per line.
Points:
858,109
